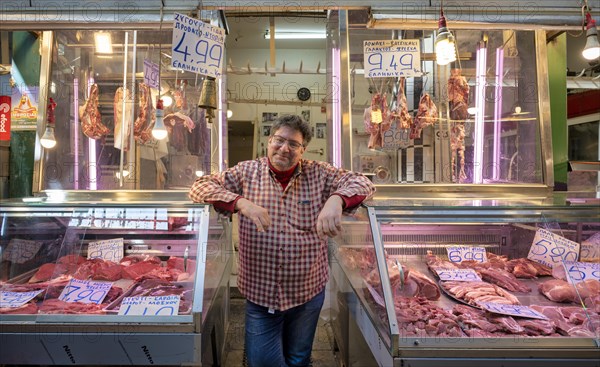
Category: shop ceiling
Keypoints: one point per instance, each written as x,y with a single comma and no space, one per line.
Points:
87,14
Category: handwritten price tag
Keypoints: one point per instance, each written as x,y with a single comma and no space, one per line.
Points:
17,299
548,248
392,58
512,310
85,291
151,73
197,46
396,138
110,250
461,275
580,271
18,251
461,253
590,249
150,306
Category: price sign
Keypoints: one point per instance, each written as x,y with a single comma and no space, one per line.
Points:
461,253
395,138
110,250
150,306
512,310
18,251
392,58
197,46
17,299
460,275
85,291
548,248
590,249
580,271
151,73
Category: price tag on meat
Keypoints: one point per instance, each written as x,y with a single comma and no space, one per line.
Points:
392,58
110,250
463,253
549,248
512,310
197,46
395,138
17,299
151,73
19,251
85,291
580,271
461,275
150,306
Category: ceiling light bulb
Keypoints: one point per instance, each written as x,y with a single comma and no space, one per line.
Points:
159,131
199,173
167,100
517,109
471,110
445,47
48,140
229,113
591,51
103,41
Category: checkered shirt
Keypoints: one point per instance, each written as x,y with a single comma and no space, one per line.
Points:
286,265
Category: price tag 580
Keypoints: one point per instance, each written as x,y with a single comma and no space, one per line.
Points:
548,248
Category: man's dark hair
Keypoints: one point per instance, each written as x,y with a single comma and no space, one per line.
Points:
293,122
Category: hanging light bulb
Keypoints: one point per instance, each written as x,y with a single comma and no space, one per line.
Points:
159,131
591,51
48,140
445,45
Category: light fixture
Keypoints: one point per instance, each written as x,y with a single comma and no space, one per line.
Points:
199,173
103,41
591,51
445,45
48,140
159,131
167,100
297,35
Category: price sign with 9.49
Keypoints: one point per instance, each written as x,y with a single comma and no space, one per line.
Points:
85,291
197,46
392,58
548,248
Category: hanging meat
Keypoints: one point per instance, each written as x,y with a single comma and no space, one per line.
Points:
91,120
142,127
377,119
400,114
426,115
122,131
176,124
458,98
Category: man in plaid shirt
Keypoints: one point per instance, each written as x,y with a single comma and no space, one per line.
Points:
288,206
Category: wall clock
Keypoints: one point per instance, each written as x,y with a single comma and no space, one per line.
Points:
303,94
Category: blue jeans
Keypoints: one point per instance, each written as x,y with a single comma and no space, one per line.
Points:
283,338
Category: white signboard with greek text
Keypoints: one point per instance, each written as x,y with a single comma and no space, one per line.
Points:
151,73
580,271
459,275
392,58
85,291
109,250
18,250
548,248
512,310
17,299
150,306
197,46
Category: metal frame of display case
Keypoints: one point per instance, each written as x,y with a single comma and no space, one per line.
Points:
197,338
357,328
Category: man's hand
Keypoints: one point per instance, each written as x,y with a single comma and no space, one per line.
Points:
329,221
255,213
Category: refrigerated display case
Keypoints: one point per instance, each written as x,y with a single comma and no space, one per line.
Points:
114,278
394,295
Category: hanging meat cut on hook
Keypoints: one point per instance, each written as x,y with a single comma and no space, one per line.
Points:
142,127
458,99
426,115
400,114
377,119
91,120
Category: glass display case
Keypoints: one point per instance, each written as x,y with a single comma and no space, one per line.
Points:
455,282
116,278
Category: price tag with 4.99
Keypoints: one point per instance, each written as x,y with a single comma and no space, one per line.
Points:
85,291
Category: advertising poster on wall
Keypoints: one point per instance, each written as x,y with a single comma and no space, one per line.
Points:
5,118
24,108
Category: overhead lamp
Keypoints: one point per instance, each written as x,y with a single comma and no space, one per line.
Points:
591,51
48,140
445,45
167,100
159,131
103,41
299,35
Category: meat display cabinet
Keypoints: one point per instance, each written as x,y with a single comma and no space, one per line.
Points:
117,278
389,308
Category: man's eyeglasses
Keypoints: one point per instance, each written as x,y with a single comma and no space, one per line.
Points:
278,141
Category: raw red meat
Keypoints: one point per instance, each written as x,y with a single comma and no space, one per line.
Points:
98,269
426,116
142,127
178,263
138,269
48,271
558,290
55,306
27,309
91,120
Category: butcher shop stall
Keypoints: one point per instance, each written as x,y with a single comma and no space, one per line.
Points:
466,256
130,278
